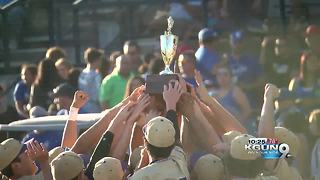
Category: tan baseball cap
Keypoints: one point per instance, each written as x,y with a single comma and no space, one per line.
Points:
229,136
160,132
108,168
9,150
313,122
237,148
66,166
208,167
53,153
284,135
135,157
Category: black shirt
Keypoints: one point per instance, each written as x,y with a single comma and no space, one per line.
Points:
102,150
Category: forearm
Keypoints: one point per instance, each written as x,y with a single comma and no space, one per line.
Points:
136,138
46,171
210,116
227,121
185,136
91,137
123,145
266,124
70,133
172,116
203,129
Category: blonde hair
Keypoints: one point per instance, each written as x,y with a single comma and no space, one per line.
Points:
63,62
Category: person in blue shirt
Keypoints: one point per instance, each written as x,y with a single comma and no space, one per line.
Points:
248,73
207,55
90,79
22,89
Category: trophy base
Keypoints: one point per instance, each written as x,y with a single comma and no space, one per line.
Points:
155,83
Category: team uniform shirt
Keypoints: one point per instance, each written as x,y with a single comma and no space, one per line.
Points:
113,88
89,82
173,168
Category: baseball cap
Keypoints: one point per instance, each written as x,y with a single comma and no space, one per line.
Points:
237,148
286,136
108,168
312,30
159,132
9,150
236,37
66,166
209,167
64,90
206,34
53,153
229,136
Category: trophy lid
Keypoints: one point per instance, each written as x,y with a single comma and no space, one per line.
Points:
170,26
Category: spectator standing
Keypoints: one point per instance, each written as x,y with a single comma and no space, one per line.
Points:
231,96
63,67
282,64
21,91
55,53
90,79
113,86
207,55
47,78
245,68
73,76
132,50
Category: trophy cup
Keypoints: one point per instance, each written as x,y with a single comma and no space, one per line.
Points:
168,44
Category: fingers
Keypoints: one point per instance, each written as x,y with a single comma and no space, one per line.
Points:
165,88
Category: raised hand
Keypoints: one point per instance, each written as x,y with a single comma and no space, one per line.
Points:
80,98
37,152
142,102
171,94
136,93
271,92
201,89
124,113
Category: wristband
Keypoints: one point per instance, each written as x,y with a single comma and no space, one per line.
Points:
73,113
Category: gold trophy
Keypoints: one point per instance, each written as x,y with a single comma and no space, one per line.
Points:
168,44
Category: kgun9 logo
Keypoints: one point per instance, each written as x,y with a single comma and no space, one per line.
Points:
269,148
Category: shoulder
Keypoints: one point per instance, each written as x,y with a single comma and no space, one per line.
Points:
141,173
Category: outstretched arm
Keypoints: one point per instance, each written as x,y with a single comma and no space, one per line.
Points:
122,146
228,121
70,133
266,124
198,122
90,138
